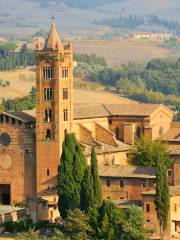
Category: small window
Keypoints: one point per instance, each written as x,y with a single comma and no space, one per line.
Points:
108,198
161,130
169,173
147,207
48,135
175,207
138,132
121,183
65,93
148,221
117,133
108,182
27,151
144,184
65,112
48,172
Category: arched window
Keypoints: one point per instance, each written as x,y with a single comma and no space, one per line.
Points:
64,72
138,132
47,72
65,93
48,115
48,135
117,133
48,94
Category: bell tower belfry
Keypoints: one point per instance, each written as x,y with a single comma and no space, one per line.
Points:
54,111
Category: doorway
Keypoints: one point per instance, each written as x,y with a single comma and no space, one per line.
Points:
5,194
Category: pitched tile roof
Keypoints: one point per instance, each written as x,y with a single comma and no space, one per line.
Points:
173,135
127,171
53,42
174,149
132,109
85,111
105,148
173,190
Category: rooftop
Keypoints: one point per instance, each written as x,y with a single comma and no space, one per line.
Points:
127,171
173,190
85,111
173,135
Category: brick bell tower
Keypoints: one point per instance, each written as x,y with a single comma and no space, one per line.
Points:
54,111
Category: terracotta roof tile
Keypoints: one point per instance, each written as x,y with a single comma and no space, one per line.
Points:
173,190
127,171
173,135
85,111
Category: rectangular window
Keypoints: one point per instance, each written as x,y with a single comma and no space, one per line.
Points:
48,172
121,183
175,207
47,72
169,173
65,112
144,184
108,182
65,93
147,207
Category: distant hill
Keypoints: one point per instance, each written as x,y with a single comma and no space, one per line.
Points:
75,15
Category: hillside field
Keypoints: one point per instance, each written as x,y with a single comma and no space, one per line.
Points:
21,87
124,51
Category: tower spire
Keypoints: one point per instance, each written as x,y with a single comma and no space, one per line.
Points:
53,42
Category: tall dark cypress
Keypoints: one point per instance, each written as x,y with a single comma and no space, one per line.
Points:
67,188
162,195
96,180
70,175
87,191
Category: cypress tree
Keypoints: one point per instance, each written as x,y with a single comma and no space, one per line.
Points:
67,188
87,191
70,175
162,195
96,181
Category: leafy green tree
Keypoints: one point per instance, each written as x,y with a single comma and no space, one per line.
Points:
76,225
146,152
96,181
30,235
87,191
112,223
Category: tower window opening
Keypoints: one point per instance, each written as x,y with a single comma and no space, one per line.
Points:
47,72
65,112
48,115
48,94
48,172
65,93
48,135
65,72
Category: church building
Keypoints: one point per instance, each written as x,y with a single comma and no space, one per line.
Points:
31,141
